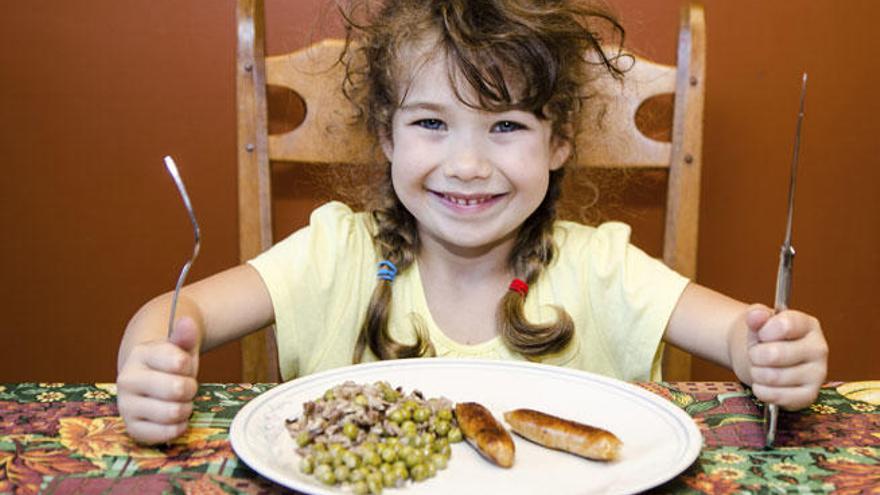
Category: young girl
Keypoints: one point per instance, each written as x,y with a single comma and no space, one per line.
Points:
475,105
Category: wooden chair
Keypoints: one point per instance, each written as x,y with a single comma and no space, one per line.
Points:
611,138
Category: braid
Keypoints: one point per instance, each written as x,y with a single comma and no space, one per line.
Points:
396,239
532,251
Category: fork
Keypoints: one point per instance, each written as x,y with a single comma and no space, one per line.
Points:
175,175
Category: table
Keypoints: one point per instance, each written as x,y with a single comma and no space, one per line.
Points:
67,438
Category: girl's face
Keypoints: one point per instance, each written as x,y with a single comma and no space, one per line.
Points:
469,177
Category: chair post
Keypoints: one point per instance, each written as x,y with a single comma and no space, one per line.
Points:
259,356
683,201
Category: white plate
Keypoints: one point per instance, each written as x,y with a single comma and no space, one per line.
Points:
659,439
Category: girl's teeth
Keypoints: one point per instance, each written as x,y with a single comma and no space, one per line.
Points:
465,202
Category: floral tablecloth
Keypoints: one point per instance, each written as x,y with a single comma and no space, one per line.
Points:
67,438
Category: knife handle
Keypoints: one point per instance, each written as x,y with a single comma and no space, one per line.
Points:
783,278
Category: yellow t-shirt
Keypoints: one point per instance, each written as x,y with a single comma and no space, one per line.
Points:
321,278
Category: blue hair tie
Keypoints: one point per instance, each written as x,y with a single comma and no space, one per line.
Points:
387,270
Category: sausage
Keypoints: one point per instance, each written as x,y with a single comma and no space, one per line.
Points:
485,433
562,434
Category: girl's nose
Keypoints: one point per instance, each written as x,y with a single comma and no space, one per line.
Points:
467,160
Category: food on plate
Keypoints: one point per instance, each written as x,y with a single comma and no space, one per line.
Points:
485,433
563,434
863,391
369,437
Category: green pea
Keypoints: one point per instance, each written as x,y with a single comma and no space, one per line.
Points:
421,414
360,487
358,474
413,440
413,459
441,427
397,415
374,483
323,457
445,414
408,427
432,469
339,459
405,451
350,430
327,478
390,395
351,460
440,443
303,438
439,461
428,438
400,470
307,465
419,472
442,447
342,473
375,486
454,435
389,454
372,458
325,474
410,404
329,394
389,479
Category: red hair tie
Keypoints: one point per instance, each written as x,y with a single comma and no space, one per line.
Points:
519,286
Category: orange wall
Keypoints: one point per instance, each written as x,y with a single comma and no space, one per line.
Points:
93,93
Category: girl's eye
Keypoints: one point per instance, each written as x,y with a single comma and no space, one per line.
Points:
430,124
507,126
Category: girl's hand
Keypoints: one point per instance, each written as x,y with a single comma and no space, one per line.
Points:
157,383
787,356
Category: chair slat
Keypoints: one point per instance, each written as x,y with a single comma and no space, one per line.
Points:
259,354
609,136
326,135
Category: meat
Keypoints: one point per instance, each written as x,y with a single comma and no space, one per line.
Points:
485,433
562,434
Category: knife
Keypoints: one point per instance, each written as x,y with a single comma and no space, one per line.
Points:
786,261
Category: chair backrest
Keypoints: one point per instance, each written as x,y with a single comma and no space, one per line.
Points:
611,138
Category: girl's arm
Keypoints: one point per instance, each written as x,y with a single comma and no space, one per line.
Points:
157,375
782,356
226,306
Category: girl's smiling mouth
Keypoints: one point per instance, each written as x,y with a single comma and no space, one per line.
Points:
466,200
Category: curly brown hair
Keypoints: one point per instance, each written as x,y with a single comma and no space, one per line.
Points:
530,55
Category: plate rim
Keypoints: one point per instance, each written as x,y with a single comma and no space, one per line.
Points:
246,454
